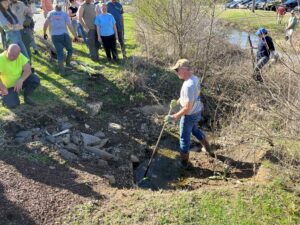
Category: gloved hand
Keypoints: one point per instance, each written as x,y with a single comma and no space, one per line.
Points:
173,104
45,36
169,119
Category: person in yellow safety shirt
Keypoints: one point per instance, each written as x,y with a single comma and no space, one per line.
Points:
16,75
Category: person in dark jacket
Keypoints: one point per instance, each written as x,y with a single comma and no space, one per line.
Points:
265,49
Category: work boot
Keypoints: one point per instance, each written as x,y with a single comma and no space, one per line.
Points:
206,146
68,61
61,68
184,161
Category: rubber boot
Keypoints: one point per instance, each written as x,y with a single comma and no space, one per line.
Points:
27,99
206,146
184,161
61,68
68,61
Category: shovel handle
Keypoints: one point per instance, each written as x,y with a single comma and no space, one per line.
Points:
156,145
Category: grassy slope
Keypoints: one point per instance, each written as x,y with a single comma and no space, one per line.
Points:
247,205
260,205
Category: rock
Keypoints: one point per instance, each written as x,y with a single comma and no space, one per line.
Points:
66,139
51,139
20,140
99,134
94,108
76,138
68,155
102,163
102,144
100,153
24,134
62,119
86,126
111,179
90,139
86,156
114,126
134,159
66,125
150,110
72,148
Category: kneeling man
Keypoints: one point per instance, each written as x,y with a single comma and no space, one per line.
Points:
15,75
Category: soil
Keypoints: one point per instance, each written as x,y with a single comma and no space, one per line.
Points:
41,192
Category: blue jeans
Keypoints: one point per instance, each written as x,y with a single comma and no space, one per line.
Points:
75,26
189,125
14,37
60,42
82,33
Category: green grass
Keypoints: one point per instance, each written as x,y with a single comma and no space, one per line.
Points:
245,20
256,205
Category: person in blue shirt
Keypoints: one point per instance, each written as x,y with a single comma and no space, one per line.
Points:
107,32
265,49
59,21
116,9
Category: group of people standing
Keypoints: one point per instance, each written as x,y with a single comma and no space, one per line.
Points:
97,23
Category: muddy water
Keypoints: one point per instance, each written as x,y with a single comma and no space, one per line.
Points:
240,38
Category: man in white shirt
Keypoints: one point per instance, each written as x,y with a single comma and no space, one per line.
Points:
190,112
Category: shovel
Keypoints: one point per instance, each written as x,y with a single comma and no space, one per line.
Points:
145,178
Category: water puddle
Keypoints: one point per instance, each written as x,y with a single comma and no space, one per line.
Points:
240,38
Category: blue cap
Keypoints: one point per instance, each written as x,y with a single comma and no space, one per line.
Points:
261,31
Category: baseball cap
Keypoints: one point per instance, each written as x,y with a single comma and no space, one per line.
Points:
181,63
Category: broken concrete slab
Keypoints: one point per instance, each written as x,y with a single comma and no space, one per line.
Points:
69,156
90,139
102,144
99,134
51,139
66,125
94,108
24,134
72,148
76,138
100,153
20,140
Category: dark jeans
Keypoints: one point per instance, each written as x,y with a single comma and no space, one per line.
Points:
189,125
27,39
110,46
12,100
60,42
260,63
93,44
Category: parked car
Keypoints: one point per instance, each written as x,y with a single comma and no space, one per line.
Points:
233,4
272,5
297,9
244,4
290,4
